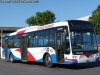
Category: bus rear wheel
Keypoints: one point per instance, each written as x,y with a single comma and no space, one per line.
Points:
48,61
11,58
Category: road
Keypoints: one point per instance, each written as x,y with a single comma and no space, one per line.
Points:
8,68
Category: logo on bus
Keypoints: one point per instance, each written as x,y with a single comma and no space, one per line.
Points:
45,26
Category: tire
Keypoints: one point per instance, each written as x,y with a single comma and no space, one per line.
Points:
48,61
11,58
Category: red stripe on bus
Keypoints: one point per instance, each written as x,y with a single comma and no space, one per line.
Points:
31,57
21,32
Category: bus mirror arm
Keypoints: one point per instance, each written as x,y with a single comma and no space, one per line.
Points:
66,33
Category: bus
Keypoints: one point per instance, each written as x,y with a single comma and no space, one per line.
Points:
68,42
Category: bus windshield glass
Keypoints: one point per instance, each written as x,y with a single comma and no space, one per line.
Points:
83,40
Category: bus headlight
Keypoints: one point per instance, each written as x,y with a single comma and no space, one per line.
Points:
97,55
81,56
74,56
92,55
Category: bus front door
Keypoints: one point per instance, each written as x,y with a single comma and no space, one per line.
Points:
24,43
59,46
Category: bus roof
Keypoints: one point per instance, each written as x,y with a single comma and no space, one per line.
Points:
36,28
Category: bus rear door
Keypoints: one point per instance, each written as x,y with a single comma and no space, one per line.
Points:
24,44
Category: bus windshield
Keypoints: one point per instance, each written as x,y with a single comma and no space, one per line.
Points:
83,40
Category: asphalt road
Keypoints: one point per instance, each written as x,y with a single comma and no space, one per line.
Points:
8,68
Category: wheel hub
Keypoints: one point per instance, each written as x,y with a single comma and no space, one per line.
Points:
48,60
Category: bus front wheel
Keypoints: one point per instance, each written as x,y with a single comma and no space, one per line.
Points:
48,61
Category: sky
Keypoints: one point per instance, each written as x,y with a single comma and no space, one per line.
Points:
15,14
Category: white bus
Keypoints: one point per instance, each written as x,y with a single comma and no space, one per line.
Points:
67,42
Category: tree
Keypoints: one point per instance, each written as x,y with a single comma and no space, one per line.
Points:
95,19
31,21
41,18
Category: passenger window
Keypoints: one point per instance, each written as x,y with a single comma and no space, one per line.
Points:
10,42
41,37
17,41
51,37
46,38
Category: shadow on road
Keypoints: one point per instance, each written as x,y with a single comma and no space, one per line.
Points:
79,66
75,67
31,63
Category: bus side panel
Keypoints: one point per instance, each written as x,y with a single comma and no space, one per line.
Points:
16,53
52,52
36,54
53,56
